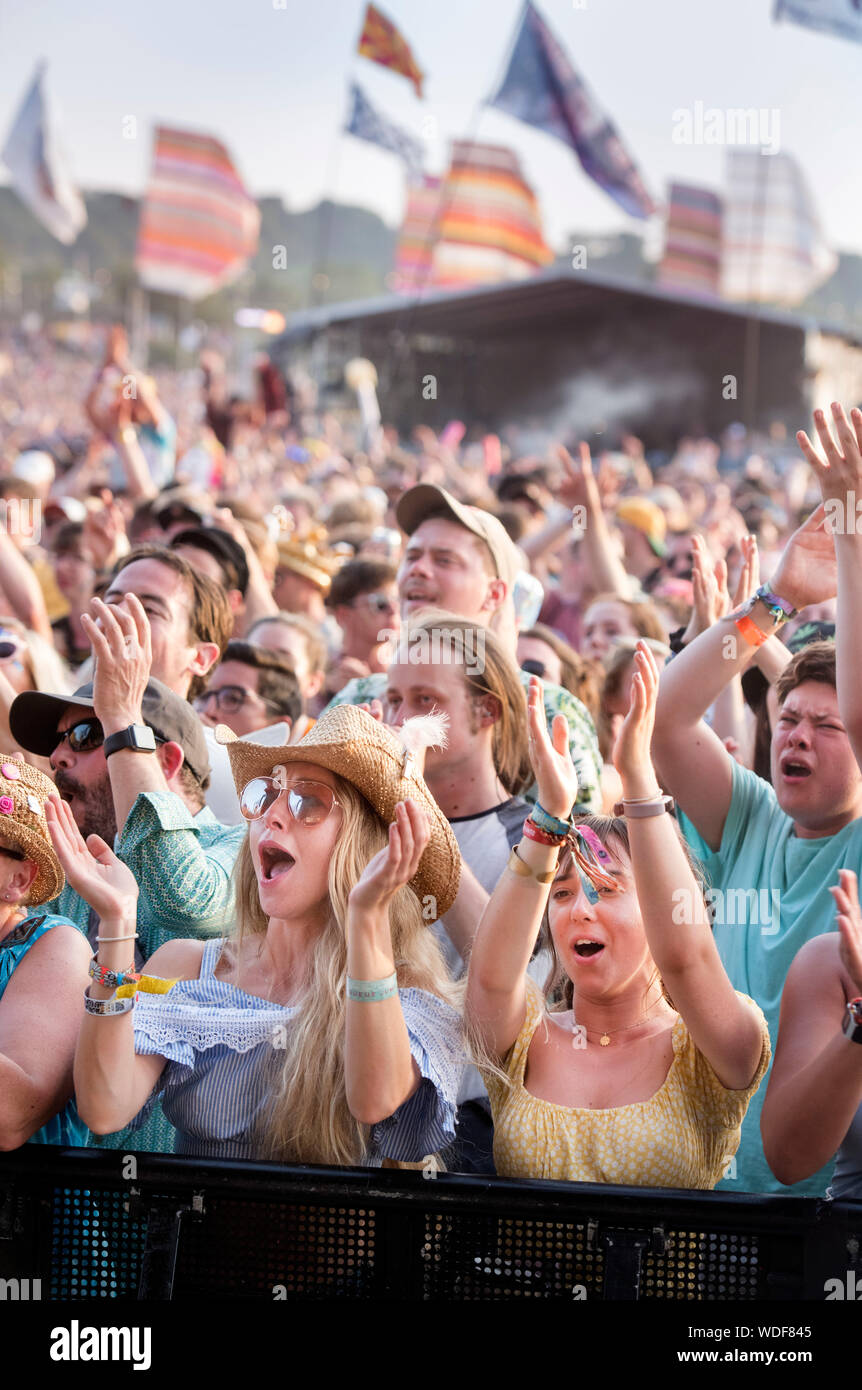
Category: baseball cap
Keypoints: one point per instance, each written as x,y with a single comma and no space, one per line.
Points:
649,518
426,499
34,716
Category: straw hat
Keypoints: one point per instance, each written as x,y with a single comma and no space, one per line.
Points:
23,792
378,761
307,556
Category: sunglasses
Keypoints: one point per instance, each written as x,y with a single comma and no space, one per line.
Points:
378,603
81,737
534,668
308,803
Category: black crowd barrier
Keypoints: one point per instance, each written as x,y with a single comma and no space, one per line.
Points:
89,1223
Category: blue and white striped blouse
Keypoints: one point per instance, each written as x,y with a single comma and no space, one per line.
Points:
218,1042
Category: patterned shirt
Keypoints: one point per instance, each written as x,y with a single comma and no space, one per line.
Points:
583,743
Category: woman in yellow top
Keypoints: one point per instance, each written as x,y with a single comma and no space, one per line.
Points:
625,1086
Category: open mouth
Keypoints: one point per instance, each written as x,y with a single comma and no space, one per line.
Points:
792,769
275,862
586,948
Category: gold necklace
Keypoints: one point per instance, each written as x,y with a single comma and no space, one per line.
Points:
580,1029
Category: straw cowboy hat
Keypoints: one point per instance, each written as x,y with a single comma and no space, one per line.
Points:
377,760
23,792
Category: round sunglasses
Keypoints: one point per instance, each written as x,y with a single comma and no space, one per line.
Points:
81,737
308,803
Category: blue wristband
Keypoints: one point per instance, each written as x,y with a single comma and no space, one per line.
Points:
545,821
372,991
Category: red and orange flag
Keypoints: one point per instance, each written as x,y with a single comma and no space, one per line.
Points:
382,43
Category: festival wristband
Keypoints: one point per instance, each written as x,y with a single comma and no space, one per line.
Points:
552,825
372,991
781,609
144,984
541,837
750,632
111,979
100,1008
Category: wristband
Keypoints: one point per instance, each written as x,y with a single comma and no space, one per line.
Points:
781,609
372,991
102,1007
750,632
552,825
541,837
516,865
111,979
639,810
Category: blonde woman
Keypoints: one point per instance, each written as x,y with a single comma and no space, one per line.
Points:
322,1031
646,1077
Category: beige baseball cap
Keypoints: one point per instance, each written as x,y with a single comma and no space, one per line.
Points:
418,503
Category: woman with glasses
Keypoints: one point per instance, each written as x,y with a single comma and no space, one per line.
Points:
322,1030
43,970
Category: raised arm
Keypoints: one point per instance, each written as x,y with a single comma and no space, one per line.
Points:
40,1013
815,1087
839,473
496,981
690,759
723,1027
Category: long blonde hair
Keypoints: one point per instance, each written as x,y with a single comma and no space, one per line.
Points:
308,1119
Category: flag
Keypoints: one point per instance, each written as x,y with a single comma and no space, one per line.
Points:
841,17
692,255
36,161
366,123
773,250
542,89
199,227
480,227
415,247
382,43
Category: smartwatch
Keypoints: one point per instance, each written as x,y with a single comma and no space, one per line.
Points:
140,737
853,1022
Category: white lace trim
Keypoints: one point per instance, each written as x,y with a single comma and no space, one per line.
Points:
202,1026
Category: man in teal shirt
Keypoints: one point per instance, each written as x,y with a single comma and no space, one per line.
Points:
771,852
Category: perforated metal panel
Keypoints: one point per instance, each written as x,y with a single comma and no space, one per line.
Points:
96,1245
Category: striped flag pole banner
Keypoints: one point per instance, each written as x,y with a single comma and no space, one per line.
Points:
773,246
367,123
840,17
542,89
692,256
383,43
481,226
199,227
37,163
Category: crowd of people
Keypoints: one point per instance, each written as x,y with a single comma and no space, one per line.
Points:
383,804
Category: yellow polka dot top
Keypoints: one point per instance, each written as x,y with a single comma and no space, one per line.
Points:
683,1136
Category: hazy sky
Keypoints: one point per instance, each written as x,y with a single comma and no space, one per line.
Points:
272,84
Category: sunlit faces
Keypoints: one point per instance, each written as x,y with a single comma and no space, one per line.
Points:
291,862
814,771
232,697
602,623
417,688
533,649
82,779
602,946
446,566
166,598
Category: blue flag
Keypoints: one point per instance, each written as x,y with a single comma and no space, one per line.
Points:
542,89
841,17
366,123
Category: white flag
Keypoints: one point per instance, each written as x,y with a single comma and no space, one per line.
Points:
39,171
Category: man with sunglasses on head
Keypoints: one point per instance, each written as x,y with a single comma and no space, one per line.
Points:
363,600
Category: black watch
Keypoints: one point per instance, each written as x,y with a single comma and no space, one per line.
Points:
140,737
853,1021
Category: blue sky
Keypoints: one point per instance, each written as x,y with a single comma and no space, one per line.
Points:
272,84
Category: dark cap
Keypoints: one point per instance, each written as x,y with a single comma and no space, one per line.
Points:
221,545
34,716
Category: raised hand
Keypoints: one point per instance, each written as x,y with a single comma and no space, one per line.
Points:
396,863
748,581
578,486
122,647
632,750
849,919
709,590
839,468
92,868
807,571
556,778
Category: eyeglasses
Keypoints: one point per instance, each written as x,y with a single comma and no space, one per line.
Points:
534,668
378,603
309,803
229,699
82,737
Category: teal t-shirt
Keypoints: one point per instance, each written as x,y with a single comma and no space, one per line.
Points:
773,896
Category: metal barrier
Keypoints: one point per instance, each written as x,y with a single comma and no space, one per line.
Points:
90,1223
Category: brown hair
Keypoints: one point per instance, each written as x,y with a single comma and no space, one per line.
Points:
210,617
276,682
315,647
816,662
580,676
359,577
642,612
499,677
